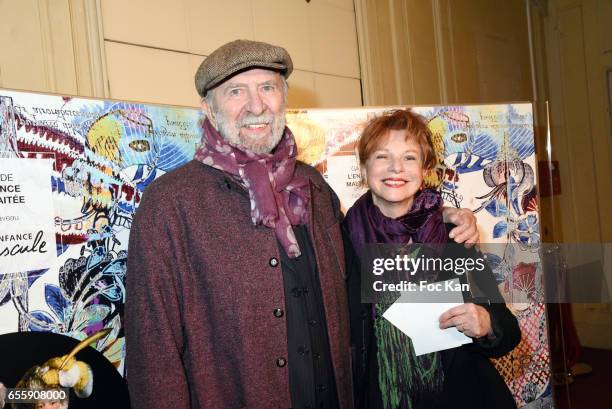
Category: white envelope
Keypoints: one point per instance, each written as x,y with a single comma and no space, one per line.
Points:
419,320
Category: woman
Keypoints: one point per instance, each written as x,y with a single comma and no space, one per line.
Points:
396,155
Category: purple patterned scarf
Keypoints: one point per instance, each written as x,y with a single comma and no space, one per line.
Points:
279,199
422,224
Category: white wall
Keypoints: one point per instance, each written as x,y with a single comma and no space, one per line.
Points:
153,47
149,50
44,46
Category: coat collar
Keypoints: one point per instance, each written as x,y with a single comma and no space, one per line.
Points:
303,170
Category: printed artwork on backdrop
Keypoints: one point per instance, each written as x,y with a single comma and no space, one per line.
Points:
107,152
93,382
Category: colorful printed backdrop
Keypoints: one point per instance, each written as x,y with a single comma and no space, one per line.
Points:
107,152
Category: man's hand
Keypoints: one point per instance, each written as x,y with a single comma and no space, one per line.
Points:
471,319
465,230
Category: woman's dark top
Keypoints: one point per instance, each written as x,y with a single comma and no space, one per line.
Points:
470,379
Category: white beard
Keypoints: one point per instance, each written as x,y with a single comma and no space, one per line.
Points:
232,134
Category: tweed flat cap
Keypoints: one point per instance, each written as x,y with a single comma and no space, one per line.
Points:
233,57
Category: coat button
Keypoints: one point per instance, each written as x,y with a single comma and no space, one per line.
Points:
273,262
280,362
299,291
278,312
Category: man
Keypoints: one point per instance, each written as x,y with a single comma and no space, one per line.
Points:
236,290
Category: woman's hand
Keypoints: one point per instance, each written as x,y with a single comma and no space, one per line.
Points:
471,319
465,230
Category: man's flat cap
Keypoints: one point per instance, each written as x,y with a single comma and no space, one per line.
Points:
231,58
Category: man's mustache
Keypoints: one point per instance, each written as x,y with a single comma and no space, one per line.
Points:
253,120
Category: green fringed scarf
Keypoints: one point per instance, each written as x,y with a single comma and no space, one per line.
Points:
406,381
